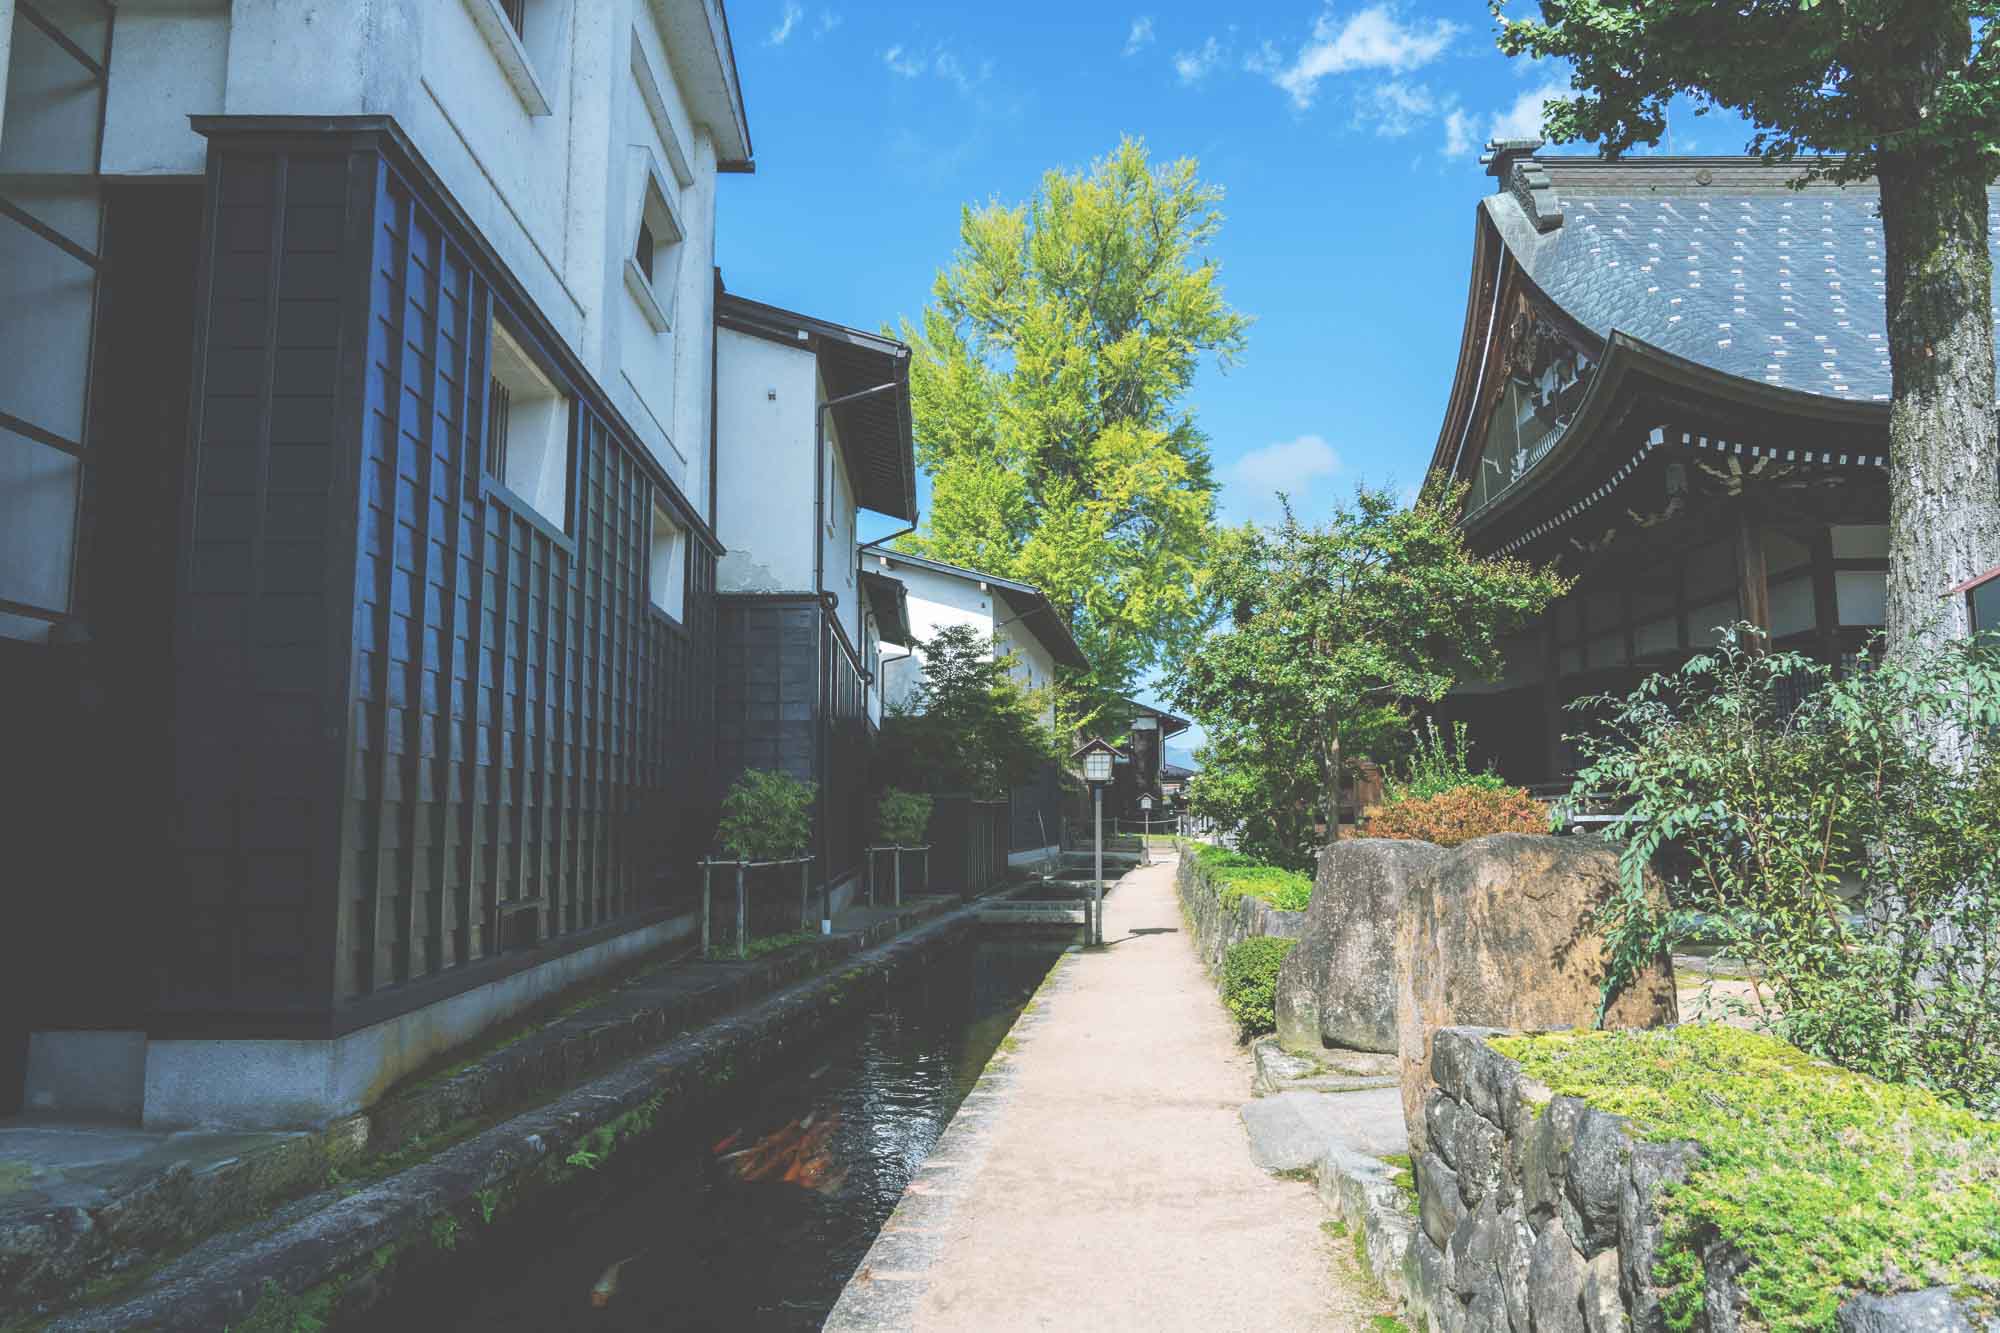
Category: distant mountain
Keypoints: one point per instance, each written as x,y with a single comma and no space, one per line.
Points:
1183,758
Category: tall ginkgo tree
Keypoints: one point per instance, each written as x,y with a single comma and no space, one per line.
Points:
1049,380
1906,92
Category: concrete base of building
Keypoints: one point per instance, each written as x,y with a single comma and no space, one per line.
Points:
1034,856
251,1084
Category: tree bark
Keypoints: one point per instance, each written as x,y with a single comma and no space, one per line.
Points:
1330,774
1944,435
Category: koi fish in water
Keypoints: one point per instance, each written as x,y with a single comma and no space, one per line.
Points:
607,1286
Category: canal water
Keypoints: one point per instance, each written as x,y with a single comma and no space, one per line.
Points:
754,1216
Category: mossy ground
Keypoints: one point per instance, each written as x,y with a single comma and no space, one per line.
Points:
1828,1181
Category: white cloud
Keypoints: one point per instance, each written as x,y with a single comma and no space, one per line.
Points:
1194,66
1141,35
1292,466
1523,120
1372,38
1395,108
786,22
903,61
828,21
1459,138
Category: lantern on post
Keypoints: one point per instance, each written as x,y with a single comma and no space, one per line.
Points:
1145,830
1096,757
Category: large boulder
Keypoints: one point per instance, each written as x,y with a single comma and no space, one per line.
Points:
1499,934
1338,987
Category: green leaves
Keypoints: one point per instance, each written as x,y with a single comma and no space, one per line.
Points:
1845,847
970,726
766,816
1047,382
1332,628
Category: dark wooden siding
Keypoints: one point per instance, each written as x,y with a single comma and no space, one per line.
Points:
421,726
768,687
1035,811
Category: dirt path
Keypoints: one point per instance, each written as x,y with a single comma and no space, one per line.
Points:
1117,1191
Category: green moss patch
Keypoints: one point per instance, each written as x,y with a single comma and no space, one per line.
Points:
1828,1181
1237,877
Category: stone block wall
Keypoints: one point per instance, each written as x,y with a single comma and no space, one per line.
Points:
1538,1214
1216,928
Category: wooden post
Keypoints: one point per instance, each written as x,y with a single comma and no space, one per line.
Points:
707,874
870,854
898,854
805,891
742,915
1753,588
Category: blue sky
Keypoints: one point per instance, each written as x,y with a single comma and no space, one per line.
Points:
1346,136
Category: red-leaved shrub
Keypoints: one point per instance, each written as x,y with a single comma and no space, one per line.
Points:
1460,815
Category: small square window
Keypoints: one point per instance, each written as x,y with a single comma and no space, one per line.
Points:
527,428
666,582
653,269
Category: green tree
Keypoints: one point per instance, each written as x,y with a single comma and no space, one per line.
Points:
1048,380
968,726
1264,785
1333,628
1907,91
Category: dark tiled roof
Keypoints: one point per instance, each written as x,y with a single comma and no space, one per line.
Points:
1778,286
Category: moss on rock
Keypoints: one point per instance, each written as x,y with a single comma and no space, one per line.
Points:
1828,1182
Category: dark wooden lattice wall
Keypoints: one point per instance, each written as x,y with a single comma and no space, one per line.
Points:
479,737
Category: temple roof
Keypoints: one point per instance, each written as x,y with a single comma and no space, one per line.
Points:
1716,260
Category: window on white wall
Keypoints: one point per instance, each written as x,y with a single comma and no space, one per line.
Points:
527,428
653,244
666,581
526,37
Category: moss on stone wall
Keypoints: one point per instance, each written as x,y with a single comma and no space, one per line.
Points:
1826,1181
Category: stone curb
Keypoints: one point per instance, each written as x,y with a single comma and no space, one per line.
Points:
890,1281
372,1239
45,1258
1361,1191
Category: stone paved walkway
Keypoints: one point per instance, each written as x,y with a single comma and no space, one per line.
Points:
1114,1187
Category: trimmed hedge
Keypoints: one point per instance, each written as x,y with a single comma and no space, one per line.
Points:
1460,815
1238,877
1250,982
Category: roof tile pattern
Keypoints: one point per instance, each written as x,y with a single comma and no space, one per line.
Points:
1781,287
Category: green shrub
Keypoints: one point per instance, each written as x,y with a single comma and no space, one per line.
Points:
1438,764
1250,982
1825,1181
1840,838
767,816
1460,815
1237,877
902,818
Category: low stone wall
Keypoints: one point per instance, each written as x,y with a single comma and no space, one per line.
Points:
1538,1214
1215,927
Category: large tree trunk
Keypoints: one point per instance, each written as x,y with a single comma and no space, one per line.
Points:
1944,435
1329,765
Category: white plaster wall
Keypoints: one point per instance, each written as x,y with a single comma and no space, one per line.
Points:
765,397
838,534
170,60
1037,669
51,107
6,58
936,602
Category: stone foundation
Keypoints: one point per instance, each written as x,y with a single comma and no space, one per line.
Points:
1538,1214
1216,928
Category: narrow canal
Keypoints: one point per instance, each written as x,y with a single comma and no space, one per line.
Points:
755,1215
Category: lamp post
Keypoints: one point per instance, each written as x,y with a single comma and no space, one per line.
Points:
1096,757
1145,830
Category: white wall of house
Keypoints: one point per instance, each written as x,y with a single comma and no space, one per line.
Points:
939,600
765,396
839,533
554,143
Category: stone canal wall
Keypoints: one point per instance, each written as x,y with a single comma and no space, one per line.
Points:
330,1259
1539,1214
1217,925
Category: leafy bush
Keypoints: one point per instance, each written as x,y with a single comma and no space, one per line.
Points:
902,818
1438,764
1237,877
1841,838
767,816
969,726
1250,982
1825,1181
1460,815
